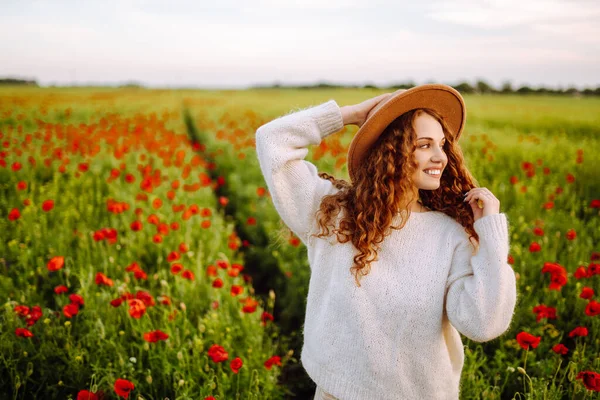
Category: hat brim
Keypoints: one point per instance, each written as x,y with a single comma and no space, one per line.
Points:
443,99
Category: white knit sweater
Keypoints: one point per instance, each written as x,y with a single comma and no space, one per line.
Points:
397,336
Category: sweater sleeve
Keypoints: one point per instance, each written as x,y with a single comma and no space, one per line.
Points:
294,183
481,289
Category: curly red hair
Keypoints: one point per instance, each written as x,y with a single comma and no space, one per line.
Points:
384,187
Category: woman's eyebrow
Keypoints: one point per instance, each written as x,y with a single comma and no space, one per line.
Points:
428,138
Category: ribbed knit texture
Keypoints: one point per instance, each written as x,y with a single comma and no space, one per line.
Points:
397,336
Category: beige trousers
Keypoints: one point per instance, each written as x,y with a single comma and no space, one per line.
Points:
320,394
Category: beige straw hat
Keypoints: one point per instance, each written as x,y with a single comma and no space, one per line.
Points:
443,99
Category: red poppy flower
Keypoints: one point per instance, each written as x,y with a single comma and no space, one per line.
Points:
123,387
571,234
56,263
251,221
137,308
86,395
23,332
217,353
102,279
145,297
173,256
538,231
236,289
510,260
570,178
592,309
14,214
155,336
249,305
116,302
560,349
549,205
579,331
581,272
211,270
60,289
176,268
76,298
543,311
136,226
187,274
21,185
217,283
558,275
274,360
236,364
587,293
265,316
526,339
535,247
591,380
48,205
70,310
595,203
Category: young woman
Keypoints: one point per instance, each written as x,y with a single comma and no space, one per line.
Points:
419,253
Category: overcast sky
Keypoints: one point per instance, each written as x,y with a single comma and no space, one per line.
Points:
238,43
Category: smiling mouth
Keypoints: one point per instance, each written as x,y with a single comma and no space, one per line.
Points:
433,173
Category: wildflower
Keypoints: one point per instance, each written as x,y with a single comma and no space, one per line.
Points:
236,289
60,289
265,316
592,309
187,274
581,272
123,387
136,226
217,283
56,263
590,379
14,214
102,279
560,349
274,360
137,308
543,311
48,205
70,310
76,299
535,247
579,331
23,332
558,275
587,293
526,339
87,395
571,234
155,336
538,231
217,353
236,364
176,268
173,256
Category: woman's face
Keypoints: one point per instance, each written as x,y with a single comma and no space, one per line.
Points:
429,152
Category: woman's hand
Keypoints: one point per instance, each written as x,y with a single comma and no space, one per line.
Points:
357,114
482,202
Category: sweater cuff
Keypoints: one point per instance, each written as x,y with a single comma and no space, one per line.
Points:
328,117
492,227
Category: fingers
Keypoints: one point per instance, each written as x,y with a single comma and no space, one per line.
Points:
483,196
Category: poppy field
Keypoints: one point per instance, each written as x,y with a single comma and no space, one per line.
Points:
141,256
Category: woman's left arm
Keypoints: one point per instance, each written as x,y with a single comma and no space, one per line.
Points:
481,290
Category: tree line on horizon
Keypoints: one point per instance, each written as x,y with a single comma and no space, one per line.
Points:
480,87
